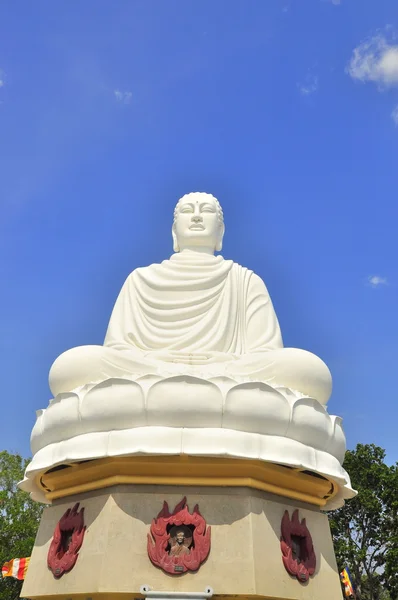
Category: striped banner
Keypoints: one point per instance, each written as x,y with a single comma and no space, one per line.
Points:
346,580
16,567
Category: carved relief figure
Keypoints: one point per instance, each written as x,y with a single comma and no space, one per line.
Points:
180,541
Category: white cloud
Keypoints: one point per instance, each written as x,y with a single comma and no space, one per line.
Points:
394,115
309,85
2,83
335,2
376,280
375,60
123,97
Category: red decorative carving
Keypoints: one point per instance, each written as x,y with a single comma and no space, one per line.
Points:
179,541
297,550
67,541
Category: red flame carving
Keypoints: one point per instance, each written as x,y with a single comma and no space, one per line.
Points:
67,541
302,566
159,539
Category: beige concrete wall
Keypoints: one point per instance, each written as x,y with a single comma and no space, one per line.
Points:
245,556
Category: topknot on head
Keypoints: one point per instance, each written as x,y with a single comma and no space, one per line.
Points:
200,196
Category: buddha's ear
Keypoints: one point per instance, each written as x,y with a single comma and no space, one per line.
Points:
176,247
220,238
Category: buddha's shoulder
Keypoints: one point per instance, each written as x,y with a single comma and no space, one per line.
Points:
146,271
253,280
244,270
224,265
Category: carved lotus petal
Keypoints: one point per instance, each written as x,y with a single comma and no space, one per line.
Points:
223,383
337,444
184,401
147,381
113,404
36,437
61,420
256,407
310,424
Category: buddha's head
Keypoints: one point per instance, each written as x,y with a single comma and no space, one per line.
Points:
198,223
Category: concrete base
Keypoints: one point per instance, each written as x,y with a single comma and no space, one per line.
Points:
245,557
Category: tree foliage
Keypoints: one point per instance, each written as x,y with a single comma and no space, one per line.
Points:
19,520
365,530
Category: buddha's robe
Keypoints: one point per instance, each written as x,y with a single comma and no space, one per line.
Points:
194,314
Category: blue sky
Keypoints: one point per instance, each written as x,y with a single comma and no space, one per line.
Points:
286,110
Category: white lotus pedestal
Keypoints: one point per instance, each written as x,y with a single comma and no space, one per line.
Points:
241,505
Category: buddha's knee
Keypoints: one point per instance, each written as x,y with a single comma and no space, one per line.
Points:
306,373
76,367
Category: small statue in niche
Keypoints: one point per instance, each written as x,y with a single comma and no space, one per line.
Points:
180,541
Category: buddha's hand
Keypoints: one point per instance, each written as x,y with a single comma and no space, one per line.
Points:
194,358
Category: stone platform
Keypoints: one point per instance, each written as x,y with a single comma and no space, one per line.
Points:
245,558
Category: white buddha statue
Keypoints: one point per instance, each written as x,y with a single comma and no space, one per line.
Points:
195,314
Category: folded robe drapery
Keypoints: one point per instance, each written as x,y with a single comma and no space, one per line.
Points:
195,303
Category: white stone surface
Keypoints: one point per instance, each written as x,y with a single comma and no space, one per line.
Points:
193,361
190,416
195,314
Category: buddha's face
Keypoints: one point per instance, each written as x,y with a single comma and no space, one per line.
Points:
197,223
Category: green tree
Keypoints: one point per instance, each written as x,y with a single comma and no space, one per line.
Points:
19,520
365,530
